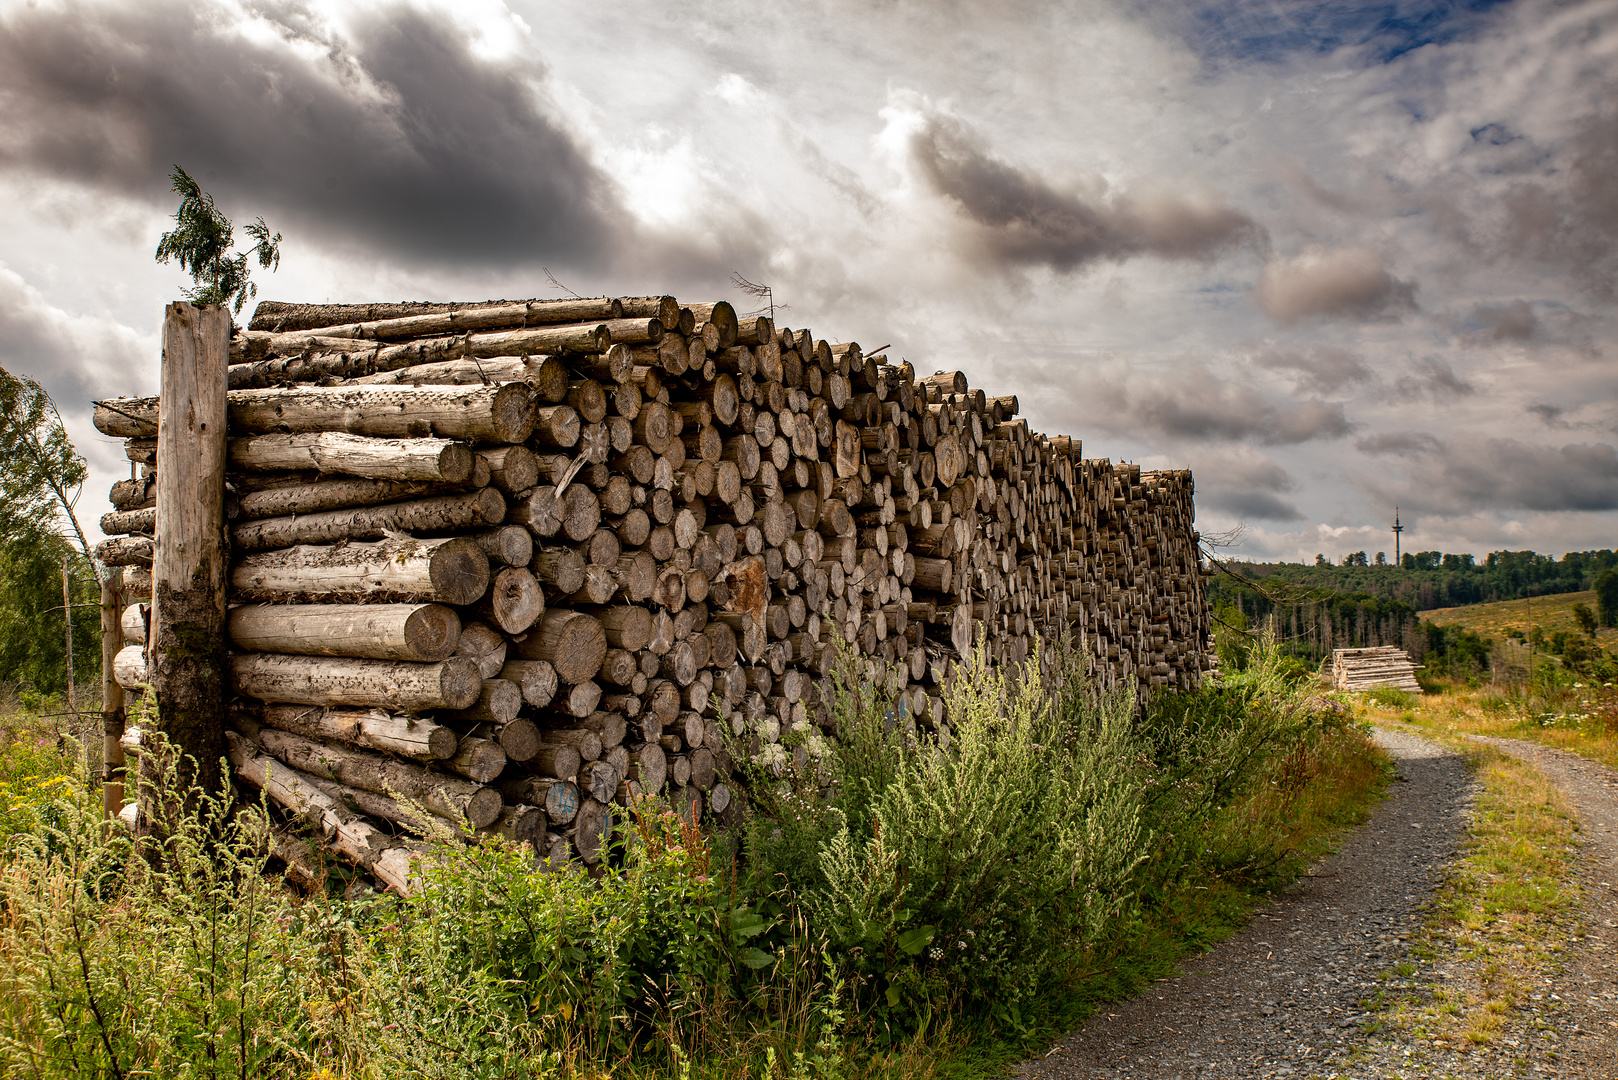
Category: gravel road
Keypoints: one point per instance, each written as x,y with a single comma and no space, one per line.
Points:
1283,997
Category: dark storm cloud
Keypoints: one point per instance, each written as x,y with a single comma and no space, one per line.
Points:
1195,405
1245,485
400,138
1339,283
1023,220
1324,369
1473,475
1571,218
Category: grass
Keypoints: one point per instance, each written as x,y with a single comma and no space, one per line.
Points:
1304,799
1549,613
1503,916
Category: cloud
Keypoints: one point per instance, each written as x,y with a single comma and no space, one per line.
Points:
1246,485
1550,415
1570,219
1398,443
1195,404
1323,369
75,357
1432,378
1473,474
1018,218
402,135
1332,283
1514,321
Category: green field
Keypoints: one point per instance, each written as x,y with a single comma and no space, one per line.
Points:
1550,613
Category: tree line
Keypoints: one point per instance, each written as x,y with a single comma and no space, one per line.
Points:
1435,579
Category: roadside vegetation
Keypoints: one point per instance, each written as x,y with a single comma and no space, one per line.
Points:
911,909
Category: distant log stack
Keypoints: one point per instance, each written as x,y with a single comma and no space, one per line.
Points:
520,561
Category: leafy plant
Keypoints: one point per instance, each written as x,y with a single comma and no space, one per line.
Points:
201,243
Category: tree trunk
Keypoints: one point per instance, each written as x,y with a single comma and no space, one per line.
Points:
573,642
441,460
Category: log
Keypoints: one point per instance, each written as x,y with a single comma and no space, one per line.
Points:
479,760
536,679
511,468
545,375
592,831
346,832
190,567
444,513
419,632
375,729
514,601
130,521
571,641
447,796
520,739
449,571
558,798
626,627
441,460
508,545
484,646
559,567
125,551
408,320
499,701
129,668
372,684
299,496
495,414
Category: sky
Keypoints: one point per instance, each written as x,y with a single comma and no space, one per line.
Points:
1335,257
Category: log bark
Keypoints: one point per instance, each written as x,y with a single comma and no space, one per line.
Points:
418,632
449,571
345,831
190,567
447,796
441,460
299,496
443,513
495,414
125,551
372,684
374,729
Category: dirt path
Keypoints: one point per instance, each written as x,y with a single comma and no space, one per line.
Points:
1283,997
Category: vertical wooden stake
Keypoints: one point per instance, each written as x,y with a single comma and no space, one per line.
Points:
187,663
112,695
67,615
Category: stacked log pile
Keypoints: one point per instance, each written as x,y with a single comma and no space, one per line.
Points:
510,563
1373,667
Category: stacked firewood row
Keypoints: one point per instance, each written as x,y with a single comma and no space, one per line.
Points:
509,564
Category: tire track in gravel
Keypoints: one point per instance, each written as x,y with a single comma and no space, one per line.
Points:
1281,998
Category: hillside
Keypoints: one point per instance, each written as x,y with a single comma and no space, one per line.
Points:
1549,613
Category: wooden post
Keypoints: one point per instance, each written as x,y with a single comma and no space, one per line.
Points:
67,616
189,566
112,695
